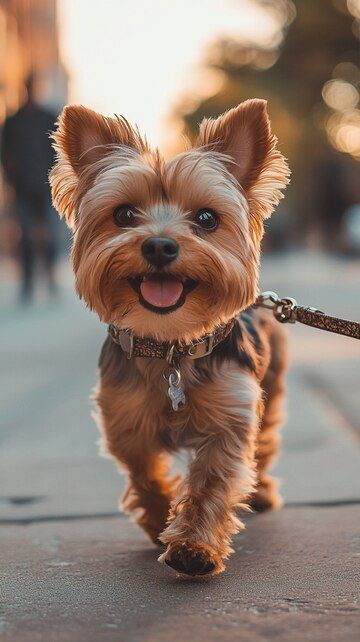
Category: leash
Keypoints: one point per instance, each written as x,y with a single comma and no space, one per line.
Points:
287,310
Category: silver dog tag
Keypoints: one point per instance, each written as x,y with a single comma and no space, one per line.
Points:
175,390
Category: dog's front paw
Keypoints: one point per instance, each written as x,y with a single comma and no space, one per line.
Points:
191,558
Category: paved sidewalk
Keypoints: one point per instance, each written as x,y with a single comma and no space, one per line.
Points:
292,578
71,568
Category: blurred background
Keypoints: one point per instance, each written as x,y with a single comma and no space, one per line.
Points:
164,65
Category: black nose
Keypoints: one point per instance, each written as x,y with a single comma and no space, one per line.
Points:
159,250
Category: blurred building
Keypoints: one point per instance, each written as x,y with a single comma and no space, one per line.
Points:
29,43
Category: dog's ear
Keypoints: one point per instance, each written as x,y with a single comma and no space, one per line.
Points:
83,135
244,135
82,138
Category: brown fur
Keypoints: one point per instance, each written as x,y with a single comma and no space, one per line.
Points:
233,395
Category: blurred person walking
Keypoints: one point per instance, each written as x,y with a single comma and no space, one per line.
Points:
26,157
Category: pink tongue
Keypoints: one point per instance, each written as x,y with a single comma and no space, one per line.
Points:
162,293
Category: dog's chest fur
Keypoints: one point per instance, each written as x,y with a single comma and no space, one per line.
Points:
221,389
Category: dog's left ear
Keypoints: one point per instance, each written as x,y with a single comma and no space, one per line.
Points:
244,135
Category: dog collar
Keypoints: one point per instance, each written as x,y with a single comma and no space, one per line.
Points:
172,352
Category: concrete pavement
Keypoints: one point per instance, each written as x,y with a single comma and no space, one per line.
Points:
73,569
293,578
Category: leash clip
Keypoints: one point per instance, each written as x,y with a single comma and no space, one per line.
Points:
285,310
268,300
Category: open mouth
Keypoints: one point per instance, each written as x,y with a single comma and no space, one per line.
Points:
162,293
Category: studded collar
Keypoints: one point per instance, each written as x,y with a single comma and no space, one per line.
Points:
172,352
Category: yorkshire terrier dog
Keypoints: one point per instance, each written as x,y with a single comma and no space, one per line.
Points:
167,254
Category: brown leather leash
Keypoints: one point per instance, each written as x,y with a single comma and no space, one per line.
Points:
287,310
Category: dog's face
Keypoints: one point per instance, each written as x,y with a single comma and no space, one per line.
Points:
168,249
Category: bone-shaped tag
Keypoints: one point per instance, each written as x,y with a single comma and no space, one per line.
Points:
176,394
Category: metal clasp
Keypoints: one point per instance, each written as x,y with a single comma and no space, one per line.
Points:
170,354
202,349
268,300
285,310
126,341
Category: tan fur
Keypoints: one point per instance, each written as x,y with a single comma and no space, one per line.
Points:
227,423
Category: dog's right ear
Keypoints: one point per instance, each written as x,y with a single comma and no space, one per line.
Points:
82,138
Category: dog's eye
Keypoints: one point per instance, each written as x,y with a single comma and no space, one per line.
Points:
125,216
207,219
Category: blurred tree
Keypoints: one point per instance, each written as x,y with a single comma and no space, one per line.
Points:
317,41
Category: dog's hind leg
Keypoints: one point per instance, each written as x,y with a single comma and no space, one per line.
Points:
266,496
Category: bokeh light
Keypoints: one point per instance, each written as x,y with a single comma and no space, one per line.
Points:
344,132
340,94
354,7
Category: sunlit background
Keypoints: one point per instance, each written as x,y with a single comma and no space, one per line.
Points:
135,58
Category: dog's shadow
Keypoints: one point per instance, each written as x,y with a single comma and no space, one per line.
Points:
156,595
